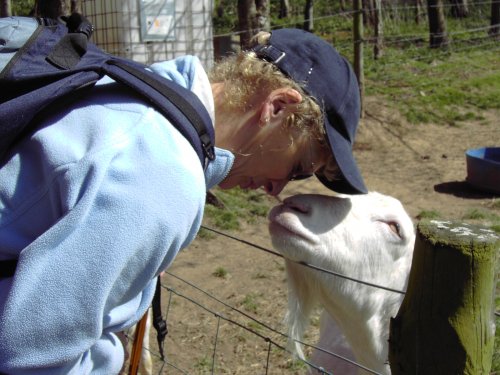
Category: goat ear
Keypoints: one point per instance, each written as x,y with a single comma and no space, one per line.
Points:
300,305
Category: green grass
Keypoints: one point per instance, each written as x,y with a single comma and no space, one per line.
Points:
477,214
250,302
428,214
220,272
444,86
256,327
206,234
204,365
441,87
239,206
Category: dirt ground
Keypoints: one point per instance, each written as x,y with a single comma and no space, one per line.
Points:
228,298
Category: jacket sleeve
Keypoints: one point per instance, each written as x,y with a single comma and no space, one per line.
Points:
128,209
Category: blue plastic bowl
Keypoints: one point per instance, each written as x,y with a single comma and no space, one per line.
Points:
483,168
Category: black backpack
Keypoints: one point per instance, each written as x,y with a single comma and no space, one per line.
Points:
57,61
54,63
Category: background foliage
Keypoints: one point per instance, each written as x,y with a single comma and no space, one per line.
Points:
22,7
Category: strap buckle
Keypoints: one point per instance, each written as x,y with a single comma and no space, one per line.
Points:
269,53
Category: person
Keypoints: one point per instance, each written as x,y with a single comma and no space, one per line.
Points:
100,199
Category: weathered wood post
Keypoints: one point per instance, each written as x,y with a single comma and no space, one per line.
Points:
446,323
379,31
358,49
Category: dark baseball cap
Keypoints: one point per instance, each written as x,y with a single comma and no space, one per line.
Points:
329,79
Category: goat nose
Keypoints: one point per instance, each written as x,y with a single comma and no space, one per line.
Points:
295,205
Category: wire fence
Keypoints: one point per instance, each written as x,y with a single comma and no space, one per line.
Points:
312,266
220,321
396,22
271,355
216,327
216,310
400,27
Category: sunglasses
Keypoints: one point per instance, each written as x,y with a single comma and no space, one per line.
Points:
298,174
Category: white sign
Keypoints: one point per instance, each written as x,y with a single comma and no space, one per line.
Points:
157,20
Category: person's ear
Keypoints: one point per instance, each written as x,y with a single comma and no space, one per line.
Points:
278,105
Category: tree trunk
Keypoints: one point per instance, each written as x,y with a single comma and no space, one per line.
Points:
50,8
246,17
262,19
5,9
308,16
368,13
495,18
419,11
76,6
437,24
284,9
379,30
459,8
358,50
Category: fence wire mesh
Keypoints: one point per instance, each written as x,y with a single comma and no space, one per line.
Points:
214,326
219,329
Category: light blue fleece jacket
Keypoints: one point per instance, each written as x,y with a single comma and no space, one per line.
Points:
95,205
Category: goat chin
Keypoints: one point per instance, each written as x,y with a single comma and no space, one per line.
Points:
367,237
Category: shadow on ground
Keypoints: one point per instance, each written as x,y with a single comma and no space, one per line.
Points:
463,189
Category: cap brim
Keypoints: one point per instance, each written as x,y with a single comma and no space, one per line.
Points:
350,180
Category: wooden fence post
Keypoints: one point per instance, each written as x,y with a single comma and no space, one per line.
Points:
446,323
358,49
379,31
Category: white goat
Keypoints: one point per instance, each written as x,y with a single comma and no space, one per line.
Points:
367,237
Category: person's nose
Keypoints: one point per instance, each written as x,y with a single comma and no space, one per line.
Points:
275,187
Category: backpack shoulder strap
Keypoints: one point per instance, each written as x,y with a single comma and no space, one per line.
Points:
46,64
53,63
172,100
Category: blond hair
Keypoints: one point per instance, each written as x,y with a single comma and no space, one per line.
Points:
245,75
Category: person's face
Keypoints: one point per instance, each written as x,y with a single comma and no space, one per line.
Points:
271,156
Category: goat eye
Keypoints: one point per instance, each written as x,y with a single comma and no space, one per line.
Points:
395,227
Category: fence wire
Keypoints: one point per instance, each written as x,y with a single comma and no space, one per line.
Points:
218,315
392,15
459,40
312,266
271,342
